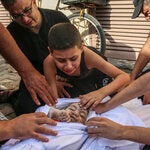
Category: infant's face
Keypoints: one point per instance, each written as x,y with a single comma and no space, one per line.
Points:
77,113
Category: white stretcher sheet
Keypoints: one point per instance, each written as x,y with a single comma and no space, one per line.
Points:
73,136
143,111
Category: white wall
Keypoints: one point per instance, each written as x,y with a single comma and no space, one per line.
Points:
51,4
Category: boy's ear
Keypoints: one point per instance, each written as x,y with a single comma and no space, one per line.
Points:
49,49
82,46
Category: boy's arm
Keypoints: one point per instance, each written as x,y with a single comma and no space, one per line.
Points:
50,73
121,79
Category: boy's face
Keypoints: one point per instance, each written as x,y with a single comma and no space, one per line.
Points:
68,60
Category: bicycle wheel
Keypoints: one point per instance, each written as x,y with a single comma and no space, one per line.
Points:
90,30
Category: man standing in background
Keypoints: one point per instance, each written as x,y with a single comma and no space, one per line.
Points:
29,27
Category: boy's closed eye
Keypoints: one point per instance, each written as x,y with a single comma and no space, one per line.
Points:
64,60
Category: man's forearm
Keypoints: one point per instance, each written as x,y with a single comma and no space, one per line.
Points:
136,134
133,90
139,65
11,52
5,132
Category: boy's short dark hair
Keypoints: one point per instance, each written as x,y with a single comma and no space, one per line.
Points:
63,36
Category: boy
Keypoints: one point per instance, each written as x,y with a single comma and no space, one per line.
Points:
82,67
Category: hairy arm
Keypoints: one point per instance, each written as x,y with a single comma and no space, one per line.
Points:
27,126
137,88
34,81
112,130
12,53
142,60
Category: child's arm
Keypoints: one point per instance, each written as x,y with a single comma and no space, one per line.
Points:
50,73
121,79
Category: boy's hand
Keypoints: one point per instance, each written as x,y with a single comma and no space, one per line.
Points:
61,90
90,100
61,83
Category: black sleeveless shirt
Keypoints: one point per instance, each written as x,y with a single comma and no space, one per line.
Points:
88,81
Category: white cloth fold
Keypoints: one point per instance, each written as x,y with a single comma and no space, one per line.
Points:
142,111
73,136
